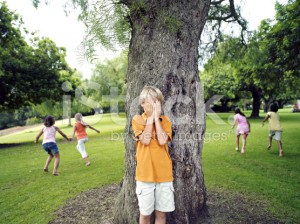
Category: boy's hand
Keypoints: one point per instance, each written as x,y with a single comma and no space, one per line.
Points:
36,141
70,139
262,124
157,109
98,131
148,109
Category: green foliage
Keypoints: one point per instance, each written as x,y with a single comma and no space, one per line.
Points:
29,73
268,63
221,74
108,74
33,120
107,26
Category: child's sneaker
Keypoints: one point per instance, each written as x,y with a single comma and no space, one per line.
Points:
88,163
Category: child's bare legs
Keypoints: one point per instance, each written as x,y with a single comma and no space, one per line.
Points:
280,148
50,156
270,143
160,217
56,163
244,137
237,142
144,219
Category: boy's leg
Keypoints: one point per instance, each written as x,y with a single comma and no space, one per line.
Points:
270,143
56,163
237,141
271,134
280,148
50,156
145,195
160,217
144,219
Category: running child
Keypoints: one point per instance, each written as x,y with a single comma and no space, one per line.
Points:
82,137
274,127
49,143
243,128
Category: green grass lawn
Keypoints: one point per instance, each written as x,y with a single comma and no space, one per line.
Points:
28,195
259,173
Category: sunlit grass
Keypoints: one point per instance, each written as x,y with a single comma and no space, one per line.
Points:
28,195
260,173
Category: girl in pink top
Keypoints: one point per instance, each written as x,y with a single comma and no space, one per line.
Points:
243,128
79,128
49,143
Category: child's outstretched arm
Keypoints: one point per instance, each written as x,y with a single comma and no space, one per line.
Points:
38,136
266,118
62,134
89,126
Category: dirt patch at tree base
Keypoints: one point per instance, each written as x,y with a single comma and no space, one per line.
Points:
95,207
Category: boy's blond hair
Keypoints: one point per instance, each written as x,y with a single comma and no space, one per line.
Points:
151,91
78,117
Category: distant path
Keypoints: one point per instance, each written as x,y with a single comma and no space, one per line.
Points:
17,129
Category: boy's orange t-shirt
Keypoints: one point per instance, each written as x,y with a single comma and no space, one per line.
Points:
80,130
154,163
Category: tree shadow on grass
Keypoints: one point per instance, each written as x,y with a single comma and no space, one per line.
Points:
11,145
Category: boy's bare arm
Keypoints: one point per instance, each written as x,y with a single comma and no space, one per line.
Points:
38,136
162,136
146,135
266,118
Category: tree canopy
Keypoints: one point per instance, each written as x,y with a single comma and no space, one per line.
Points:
29,72
266,65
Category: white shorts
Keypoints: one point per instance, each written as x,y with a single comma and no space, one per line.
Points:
276,134
81,148
155,196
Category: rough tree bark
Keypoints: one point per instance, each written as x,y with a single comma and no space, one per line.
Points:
256,96
163,52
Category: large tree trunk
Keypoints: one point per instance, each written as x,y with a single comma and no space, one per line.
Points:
256,97
165,55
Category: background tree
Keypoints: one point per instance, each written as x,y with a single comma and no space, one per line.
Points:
29,73
269,64
219,76
265,65
108,74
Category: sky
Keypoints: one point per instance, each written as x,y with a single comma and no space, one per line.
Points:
66,31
